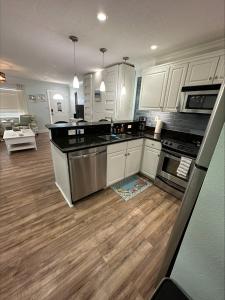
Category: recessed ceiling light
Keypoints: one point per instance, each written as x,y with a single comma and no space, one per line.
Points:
101,17
154,47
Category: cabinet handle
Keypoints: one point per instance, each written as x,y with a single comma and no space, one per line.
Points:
216,77
210,78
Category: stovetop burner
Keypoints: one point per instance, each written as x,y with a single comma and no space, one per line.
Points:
181,146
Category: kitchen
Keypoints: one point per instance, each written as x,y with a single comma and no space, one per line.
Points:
183,93
122,196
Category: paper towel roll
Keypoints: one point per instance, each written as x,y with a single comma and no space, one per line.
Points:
158,127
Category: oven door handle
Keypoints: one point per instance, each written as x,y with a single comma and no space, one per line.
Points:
171,154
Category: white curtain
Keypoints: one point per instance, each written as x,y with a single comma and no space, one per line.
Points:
12,103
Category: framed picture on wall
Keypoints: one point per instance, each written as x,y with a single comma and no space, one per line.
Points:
32,98
42,98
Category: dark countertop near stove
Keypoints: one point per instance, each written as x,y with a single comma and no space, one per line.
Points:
74,143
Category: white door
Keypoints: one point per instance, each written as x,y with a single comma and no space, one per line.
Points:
58,106
176,80
115,167
220,71
153,88
150,162
133,161
201,71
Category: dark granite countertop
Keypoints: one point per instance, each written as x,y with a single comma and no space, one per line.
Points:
69,143
86,124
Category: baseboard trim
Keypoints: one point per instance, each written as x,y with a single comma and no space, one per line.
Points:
64,196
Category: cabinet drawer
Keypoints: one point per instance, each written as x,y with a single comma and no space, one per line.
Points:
153,144
135,143
117,147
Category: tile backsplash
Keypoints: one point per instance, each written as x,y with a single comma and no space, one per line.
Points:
185,122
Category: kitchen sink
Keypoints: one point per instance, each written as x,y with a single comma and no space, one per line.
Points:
113,137
109,137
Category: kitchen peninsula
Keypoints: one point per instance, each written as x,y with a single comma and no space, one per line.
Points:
88,156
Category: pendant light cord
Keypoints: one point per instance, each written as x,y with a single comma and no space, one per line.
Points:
103,60
74,57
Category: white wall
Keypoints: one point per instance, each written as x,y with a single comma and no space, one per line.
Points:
34,87
199,267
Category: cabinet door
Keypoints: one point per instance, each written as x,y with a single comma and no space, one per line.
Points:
201,71
133,161
125,101
176,80
150,162
115,167
153,89
110,95
220,71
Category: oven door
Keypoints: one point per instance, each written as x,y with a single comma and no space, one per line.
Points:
167,168
201,102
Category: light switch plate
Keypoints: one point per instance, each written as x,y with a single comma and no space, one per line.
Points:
129,126
72,132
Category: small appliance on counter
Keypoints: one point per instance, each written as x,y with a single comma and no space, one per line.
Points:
142,123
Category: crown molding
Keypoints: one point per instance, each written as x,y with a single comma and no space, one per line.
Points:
197,50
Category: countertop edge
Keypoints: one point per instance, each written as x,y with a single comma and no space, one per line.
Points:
106,143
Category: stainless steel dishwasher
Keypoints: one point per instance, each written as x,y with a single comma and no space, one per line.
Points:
87,171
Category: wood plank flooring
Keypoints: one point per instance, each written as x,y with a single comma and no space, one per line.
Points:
103,248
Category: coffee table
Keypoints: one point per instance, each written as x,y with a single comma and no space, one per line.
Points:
19,140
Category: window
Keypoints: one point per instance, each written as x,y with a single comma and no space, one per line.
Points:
12,103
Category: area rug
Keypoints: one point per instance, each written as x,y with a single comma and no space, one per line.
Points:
131,186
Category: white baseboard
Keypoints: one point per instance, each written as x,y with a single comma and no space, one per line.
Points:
64,196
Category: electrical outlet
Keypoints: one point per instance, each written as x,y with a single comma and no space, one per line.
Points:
129,126
72,132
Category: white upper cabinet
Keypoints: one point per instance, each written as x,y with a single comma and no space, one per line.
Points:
88,97
125,103
153,88
112,104
220,71
177,75
202,71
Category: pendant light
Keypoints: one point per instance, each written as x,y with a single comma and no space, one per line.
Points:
123,90
76,84
2,77
102,85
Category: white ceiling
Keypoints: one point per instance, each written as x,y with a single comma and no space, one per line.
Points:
34,33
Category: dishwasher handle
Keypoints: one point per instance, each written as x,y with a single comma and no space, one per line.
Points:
87,155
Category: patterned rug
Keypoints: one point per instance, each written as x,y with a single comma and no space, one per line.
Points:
131,186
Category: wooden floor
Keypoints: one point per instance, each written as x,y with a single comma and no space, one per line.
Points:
103,248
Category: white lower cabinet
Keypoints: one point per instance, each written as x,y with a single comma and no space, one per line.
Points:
133,161
115,166
123,160
150,158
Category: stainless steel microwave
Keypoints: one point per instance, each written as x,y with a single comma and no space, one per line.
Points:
199,99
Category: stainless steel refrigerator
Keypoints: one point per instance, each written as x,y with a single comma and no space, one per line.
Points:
198,175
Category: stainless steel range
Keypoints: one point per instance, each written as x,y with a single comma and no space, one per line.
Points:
175,151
